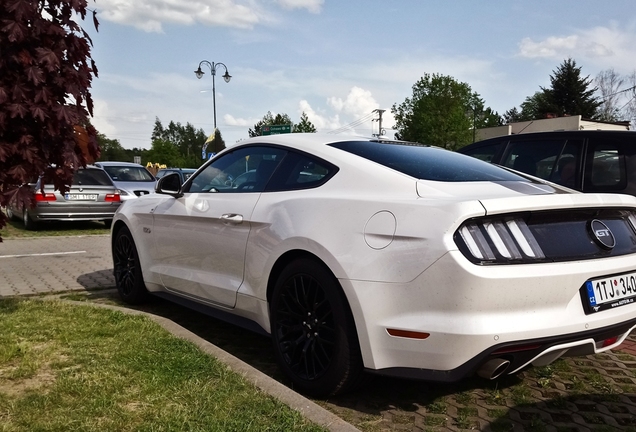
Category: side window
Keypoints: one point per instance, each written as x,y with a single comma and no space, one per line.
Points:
606,165
244,170
555,160
300,171
486,152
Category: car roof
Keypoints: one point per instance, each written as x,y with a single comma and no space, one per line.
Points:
584,133
115,163
317,144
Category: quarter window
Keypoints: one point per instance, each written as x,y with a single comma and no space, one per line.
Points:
606,165
301,171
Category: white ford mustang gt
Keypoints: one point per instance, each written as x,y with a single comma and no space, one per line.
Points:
360,254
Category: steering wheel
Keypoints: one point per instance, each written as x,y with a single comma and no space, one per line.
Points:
249,185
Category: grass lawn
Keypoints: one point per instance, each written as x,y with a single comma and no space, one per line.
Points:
15,229
67,367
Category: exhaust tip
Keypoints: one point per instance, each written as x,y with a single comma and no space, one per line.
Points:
493,368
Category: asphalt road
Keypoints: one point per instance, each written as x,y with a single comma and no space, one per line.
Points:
593,393
54,264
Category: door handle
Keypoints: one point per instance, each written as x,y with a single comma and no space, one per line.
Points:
232,219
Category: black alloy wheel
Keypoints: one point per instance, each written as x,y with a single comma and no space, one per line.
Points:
312,330
127,269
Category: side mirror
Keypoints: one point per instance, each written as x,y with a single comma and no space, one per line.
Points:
170,185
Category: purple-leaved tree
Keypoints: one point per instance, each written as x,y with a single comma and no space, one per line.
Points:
45,76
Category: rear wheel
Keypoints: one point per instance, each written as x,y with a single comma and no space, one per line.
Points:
28,222
313,331
127,270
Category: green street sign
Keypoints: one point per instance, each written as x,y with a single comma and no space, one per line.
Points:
275,129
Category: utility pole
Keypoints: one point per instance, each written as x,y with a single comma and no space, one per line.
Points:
379,120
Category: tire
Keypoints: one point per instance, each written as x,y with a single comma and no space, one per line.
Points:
10,214
29,224
127,270
313,332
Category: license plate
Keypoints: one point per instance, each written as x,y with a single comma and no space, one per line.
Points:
80,197
611,292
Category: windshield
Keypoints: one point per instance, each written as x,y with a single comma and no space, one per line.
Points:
129,173
427,163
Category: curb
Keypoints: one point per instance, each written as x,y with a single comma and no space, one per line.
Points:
306,407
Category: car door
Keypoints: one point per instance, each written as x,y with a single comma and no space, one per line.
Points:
201,237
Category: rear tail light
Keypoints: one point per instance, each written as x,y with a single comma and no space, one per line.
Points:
112,198
43,197
609,341
498,241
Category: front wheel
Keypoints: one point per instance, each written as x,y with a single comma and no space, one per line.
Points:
313,332
127,269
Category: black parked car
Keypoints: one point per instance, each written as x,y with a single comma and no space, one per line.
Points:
588,161
184,173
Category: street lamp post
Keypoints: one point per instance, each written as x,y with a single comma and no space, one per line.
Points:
199,73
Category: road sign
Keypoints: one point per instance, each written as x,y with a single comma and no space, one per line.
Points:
275,129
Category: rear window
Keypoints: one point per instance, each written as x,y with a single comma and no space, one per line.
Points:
91,177
427,163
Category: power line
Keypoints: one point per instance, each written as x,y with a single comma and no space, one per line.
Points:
353,124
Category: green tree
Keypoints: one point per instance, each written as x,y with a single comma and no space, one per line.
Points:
188,140
537,106
112,149
511,116
441,112
305,125
166,153
46,71
269,120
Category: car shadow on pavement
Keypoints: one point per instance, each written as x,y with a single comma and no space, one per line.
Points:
586,393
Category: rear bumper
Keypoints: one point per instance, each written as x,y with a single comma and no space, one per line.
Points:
73,213
536,352
526,314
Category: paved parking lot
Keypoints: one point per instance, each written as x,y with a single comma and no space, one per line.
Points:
54,264
595,393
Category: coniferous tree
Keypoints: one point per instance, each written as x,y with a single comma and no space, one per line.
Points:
305,125
570,93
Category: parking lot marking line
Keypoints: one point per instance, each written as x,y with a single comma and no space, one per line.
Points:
42,254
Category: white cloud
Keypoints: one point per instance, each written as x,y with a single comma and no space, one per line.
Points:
604,47
550,47
233,121
313,6
358,103
149,15
321,121
100,120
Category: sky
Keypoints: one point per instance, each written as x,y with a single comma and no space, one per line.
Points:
335,60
